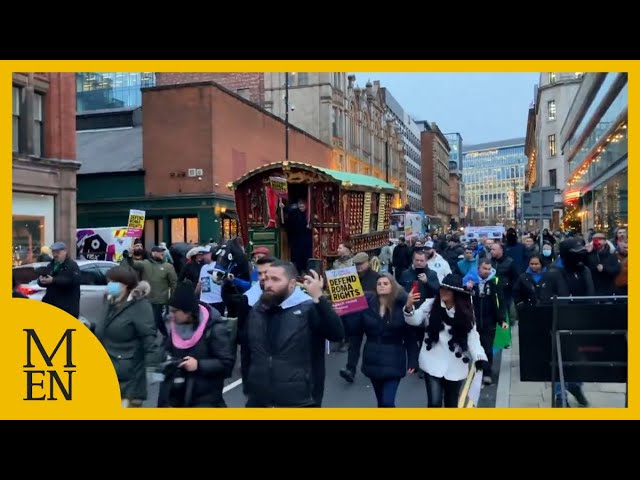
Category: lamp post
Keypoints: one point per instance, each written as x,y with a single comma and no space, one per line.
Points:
286,116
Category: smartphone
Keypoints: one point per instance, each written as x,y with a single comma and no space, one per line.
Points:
316,265
415,288
420,271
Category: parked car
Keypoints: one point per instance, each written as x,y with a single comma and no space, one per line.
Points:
93,286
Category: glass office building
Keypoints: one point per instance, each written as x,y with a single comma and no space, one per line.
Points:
595,145
493,177
109,90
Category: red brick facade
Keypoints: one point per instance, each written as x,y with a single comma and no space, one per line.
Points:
60,125
202,126
249,85
54,173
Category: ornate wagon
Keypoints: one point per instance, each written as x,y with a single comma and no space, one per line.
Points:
342,207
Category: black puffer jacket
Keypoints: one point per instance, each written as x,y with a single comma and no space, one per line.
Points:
214,352
287,351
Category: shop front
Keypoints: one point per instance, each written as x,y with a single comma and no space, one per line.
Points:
33,225
188,218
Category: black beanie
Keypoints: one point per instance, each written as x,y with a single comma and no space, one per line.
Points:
184,298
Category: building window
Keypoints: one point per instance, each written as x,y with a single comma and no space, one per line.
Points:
552,77
553,180
303,78
244,93
38,128
184,229
16,118
33,225
552,145
229,228
551,109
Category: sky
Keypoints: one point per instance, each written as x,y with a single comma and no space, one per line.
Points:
482,107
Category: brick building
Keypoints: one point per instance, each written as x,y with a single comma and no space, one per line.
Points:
44,166
436,199
249,85
195,138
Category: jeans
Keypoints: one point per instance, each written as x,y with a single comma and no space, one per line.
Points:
439,389
385,391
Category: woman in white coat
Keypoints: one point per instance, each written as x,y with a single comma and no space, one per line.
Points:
451,341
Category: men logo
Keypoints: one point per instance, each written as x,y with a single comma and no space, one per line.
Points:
36,375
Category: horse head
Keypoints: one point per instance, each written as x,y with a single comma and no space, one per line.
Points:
230,262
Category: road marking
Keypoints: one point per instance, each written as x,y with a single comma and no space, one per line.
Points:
232,385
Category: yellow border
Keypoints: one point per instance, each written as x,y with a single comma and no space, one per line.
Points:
84,411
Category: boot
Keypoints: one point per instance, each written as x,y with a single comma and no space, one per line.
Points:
576,391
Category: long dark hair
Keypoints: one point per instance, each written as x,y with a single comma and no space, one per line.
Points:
461,323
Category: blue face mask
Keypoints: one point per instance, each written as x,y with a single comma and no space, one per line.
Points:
114,289
546,253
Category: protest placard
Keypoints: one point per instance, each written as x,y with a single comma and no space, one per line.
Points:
346,291
136,223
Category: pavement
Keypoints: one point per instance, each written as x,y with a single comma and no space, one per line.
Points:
512,393
340,394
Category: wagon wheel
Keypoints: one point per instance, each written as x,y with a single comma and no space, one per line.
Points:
375,264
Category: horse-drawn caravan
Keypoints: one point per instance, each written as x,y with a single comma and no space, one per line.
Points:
342,207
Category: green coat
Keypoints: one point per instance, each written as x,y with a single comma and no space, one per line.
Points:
129,336
161,277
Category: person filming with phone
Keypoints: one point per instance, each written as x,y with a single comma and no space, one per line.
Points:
61,278
420,279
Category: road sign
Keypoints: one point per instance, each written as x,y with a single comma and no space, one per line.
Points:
538,204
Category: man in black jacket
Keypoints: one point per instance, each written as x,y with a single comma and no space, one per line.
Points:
401,258
427,283
247,302
286,333
62,281
507,273
369,282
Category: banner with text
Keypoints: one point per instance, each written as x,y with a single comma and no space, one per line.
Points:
346,291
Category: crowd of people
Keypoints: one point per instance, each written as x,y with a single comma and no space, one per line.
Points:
434,309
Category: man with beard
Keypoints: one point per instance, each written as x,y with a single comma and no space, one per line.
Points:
286,333
249,299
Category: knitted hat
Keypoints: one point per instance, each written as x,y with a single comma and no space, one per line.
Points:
184,298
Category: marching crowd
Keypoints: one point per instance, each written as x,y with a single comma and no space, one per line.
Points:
435,309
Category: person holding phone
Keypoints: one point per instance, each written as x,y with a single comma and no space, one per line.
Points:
390,351
62,281
420,278
451,341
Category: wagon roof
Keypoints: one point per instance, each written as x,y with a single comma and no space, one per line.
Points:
347,180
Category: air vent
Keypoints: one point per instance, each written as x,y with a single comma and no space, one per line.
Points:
192,172
199,172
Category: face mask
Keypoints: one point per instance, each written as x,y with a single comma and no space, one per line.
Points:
546,253
114,289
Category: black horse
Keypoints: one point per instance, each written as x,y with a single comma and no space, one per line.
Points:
231,263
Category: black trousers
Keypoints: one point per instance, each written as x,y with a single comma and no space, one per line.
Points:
353,354
440,390
487,338
158,315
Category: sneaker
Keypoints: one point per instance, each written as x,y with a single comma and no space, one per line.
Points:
487,380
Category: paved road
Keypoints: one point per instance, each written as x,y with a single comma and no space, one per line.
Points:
338,393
